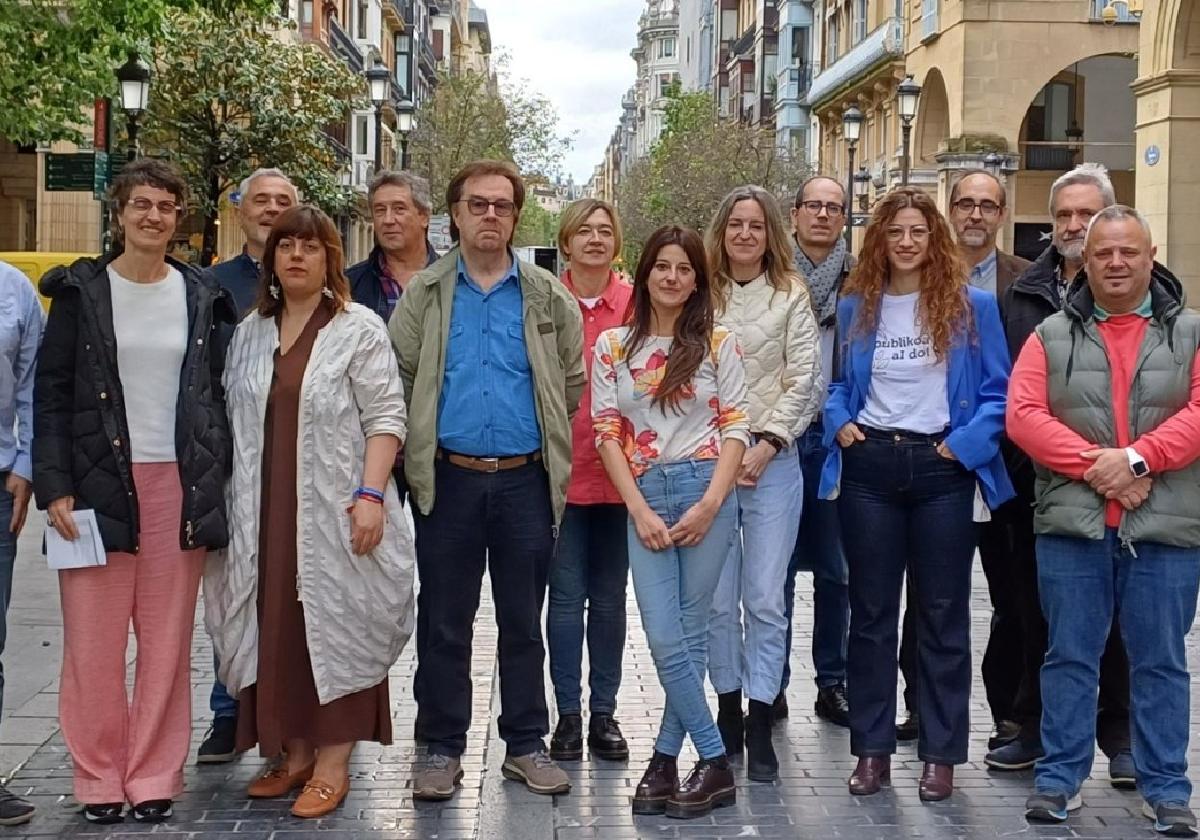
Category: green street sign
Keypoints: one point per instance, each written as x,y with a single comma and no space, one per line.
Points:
74,172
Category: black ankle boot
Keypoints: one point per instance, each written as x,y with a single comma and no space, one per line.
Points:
761,763
730,723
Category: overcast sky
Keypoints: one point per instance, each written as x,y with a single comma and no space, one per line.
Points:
577,54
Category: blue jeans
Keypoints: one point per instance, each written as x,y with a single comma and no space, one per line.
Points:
674,590
8,556
1152,589
219,701
750,657
904,507
819,549
591,565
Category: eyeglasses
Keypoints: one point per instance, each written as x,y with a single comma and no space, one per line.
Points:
967,206
143,205
917,233
479,206
814,208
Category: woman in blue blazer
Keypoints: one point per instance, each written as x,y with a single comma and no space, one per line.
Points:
917,410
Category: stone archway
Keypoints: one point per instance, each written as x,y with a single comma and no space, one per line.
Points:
1168,133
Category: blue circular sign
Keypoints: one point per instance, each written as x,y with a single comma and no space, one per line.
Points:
1153,155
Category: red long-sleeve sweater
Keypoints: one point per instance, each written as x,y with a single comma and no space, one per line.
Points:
1031,426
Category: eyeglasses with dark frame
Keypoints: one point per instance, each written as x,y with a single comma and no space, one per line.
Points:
967,206
831,208
479,206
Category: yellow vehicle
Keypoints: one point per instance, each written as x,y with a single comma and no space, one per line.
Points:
36,263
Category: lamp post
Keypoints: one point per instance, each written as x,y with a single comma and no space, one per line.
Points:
862,180
134,78
1109,14
377,80
993,163
852,121
908,94
404,124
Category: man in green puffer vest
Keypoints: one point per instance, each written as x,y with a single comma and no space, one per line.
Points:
1105,398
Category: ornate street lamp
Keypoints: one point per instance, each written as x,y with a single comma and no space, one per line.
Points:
404,124
852,121
862,181
378,78
1109,14
134,78
908,95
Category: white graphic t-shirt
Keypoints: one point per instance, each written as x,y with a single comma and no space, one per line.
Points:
908,383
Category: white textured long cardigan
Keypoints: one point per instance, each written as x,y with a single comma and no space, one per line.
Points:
358,611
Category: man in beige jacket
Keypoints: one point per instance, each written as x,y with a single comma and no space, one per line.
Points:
490,353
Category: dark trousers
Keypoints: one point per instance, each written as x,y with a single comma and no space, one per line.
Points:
502,520
1004,657
904,507
590,570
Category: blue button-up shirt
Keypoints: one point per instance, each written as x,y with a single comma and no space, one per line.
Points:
983,274
20,335
487,406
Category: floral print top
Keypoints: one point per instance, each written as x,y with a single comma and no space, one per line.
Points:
712,409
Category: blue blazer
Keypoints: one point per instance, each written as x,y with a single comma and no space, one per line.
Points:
976,384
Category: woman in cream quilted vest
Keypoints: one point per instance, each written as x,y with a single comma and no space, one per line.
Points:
763,301
314,601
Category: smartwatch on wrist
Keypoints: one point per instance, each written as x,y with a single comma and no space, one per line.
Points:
775,441
1137,464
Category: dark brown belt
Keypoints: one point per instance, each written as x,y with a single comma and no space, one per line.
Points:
488,465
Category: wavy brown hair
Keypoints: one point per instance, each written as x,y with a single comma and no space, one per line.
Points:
778,261
303,222
945,308
694,326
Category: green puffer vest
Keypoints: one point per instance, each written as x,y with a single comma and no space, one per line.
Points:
1079,388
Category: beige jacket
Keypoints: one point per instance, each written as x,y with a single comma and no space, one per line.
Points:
358,611
777,332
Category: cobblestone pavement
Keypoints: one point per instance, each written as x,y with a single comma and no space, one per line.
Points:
809,801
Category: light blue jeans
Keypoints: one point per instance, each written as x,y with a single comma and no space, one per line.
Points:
749,655
674,590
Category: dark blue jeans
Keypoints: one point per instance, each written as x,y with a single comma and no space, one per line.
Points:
8,556
903,506
591,566
219,701
819,549
1152,587
501,520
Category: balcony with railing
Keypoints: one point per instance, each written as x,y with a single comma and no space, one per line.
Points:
885,42
344,46
1060,156
794,82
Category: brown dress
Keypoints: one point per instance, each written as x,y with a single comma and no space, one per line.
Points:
283,703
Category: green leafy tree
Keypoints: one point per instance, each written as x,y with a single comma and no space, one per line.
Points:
697,160
230,97
538,226
470,116
58,57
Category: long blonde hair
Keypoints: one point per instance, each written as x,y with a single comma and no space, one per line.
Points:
779,260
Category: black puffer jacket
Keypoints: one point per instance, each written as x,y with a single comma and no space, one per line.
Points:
81,436
1031,299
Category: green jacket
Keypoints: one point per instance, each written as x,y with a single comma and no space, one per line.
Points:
1079,388
553,340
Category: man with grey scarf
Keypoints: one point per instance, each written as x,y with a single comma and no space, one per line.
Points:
818,219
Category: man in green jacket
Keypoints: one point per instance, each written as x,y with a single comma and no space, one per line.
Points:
490,353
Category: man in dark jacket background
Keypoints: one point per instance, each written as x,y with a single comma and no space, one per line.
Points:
1039,293
978,209
400,206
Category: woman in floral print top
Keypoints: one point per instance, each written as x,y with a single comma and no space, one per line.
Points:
670,415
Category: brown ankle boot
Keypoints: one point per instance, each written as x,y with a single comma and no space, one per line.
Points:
937,782
872,773
657,784
709,785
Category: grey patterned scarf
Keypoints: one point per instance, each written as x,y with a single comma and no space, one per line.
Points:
823,280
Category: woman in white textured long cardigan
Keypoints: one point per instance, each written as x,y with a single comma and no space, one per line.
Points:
314,601
761,299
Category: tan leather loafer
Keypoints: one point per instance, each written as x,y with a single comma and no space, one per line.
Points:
277,781
319,798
